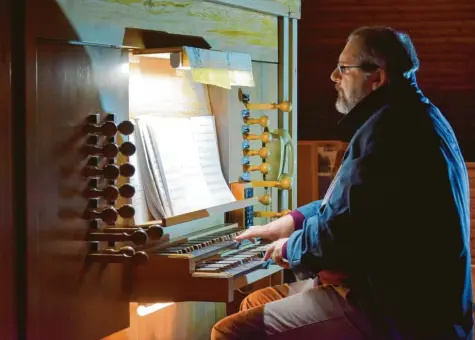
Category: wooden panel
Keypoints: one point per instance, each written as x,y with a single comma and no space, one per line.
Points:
318,163
307,174
225,28
7,249
443,33
67,299
289,8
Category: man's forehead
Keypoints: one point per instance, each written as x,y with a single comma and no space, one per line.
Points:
350,51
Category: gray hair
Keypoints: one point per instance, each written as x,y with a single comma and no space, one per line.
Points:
387,48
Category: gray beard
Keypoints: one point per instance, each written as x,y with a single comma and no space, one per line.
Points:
345,105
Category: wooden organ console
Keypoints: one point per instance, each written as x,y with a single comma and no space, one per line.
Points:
76,263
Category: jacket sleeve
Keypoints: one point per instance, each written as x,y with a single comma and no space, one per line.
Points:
306,211
310,209
339,233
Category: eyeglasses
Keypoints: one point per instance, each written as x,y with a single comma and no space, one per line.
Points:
365,67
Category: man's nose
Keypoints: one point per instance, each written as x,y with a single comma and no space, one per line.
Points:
335,76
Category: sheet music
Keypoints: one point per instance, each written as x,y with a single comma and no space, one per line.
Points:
138,200
181,159
204,131
148,173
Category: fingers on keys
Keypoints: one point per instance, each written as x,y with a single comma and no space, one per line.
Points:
252,233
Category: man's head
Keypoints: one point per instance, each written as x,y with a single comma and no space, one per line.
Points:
372,57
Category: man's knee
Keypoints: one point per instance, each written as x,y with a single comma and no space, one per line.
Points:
265,295
242,325
252,300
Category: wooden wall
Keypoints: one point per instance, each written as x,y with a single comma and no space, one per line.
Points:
7,265
443,32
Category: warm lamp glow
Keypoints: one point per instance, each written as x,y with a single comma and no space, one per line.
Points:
143,310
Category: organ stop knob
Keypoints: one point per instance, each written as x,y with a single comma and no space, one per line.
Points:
109,128
110,215
110,171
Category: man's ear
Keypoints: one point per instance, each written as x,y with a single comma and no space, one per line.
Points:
380,78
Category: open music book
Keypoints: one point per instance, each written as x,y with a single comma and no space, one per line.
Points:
178,166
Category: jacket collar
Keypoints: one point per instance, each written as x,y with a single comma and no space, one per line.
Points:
372,103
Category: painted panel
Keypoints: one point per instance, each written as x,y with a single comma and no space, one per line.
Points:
291,8
225,28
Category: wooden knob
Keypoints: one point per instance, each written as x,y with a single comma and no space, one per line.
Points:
265,199
127,148
137,237
285,106
125,250
262,121
266,137
108,215
264,168
285,183
127,191
109,150
137,258
108,129
127,170
126,211
262,152
271,214
110,193
110,171
126,127
140,258
155,232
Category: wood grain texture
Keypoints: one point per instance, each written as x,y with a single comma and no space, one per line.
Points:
290,8
67,298
224,27
443,33
7,250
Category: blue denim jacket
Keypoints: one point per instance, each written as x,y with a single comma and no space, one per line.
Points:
397,218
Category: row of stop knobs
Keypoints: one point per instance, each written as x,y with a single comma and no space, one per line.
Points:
109,171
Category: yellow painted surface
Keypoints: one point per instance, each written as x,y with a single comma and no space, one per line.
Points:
224,27
287,8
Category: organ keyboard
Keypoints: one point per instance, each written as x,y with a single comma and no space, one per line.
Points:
203,266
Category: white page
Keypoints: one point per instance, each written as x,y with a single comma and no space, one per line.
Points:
158,182
184,182
205,137
138,200
187,155
150,173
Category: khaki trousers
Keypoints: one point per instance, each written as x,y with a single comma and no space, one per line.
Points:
295,311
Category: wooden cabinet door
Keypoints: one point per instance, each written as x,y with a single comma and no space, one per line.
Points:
65,83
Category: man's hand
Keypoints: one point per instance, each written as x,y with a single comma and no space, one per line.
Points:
274,251
273,231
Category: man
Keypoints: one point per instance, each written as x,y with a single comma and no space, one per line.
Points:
390,239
